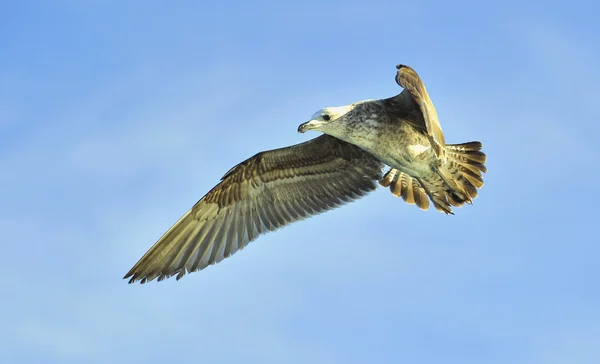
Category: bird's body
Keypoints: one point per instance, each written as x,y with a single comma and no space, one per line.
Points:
387,136
277,187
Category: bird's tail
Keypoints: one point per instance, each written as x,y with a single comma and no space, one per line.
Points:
462,172
457,182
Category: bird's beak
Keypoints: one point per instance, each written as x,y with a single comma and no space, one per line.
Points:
309,125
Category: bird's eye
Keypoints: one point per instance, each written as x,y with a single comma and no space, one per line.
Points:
326,117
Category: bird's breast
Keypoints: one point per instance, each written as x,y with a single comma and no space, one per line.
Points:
398,146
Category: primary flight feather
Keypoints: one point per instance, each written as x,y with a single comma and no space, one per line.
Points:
277,187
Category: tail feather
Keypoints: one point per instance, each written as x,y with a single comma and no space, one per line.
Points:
469,154
457,181
464,168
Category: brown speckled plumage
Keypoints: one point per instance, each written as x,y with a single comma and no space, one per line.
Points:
277,187
261,194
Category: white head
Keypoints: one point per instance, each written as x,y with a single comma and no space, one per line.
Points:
324,117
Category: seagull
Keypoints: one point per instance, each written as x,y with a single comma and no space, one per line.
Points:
277,187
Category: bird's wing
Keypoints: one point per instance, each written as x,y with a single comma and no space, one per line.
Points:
408,79
264,193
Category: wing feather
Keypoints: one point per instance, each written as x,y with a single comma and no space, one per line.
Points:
408,79
264,193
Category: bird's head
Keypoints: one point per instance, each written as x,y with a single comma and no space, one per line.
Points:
325,117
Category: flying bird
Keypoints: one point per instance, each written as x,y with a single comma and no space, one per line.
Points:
277,187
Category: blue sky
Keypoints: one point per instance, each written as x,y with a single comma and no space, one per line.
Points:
116,117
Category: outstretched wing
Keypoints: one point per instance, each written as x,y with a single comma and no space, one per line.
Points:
407,78
264,193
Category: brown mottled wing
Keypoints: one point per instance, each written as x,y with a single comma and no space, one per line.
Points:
262,194
411,82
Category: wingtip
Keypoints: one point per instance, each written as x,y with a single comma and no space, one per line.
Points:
133,278
406,68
